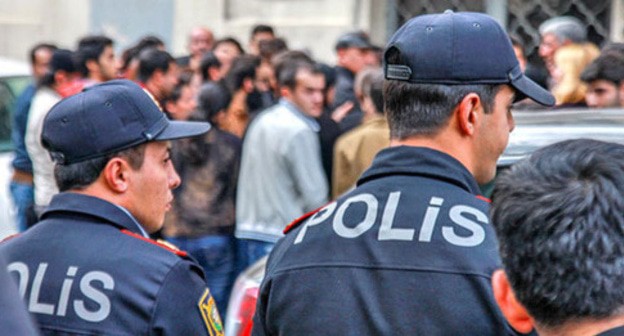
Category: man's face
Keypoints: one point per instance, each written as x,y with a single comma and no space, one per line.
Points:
549,44
255,41
169,80
150,186
225,53
493,136
602,94
308,93
354,59
42,62
182,108
107,64
201,41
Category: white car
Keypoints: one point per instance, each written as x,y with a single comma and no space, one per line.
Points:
14,77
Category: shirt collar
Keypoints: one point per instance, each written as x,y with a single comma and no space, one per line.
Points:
421,161
104,211
311,122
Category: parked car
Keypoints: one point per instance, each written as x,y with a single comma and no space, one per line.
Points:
534,129
14,77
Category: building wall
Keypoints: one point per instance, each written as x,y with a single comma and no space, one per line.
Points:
311,24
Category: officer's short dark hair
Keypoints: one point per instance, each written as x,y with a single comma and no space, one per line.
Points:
208,60
151,60
559,218
423,109
608,66
81,174
90,48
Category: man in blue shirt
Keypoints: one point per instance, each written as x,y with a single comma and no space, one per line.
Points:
21,185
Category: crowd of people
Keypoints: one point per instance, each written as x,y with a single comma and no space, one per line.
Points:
292,137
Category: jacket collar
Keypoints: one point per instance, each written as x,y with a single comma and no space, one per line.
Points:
421,161
94,207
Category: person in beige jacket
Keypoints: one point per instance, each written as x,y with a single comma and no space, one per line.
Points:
354,151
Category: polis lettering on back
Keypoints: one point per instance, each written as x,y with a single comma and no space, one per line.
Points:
86,288
457,215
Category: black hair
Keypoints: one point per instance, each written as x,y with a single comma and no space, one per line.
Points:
213,98
151,60
262,28
208,60
268,48
423,109
243,67
82,174
90,48
230,40
608,66
559,218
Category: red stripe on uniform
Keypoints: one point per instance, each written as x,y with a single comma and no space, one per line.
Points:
151,241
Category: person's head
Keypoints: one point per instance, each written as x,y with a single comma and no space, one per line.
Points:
302,83
330,83
260,32
518,49
183,99
569,62
112,141
226,50
605,81
352,51
558,218
95,58
368,86
158,71
40,57
201,40
451,80
557,32
214,98
210,67
61,71
242,74
613,47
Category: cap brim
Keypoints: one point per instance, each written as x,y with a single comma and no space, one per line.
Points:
527,88
183,129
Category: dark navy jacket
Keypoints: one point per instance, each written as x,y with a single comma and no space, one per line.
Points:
410,251
85,269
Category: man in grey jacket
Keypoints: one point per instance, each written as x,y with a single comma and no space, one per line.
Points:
281,175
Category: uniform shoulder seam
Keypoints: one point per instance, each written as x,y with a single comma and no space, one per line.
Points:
299,220
171,248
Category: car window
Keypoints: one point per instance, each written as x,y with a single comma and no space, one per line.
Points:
10,88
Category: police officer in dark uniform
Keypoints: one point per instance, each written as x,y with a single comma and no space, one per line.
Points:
410,251
14,319
89,267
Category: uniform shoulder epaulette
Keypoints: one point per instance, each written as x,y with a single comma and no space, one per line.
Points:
483,198
301,219
7,238
167,246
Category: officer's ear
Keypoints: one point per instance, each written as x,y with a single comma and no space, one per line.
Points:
515,313
467,113
116,173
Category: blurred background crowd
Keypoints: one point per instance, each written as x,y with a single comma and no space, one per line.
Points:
281,144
